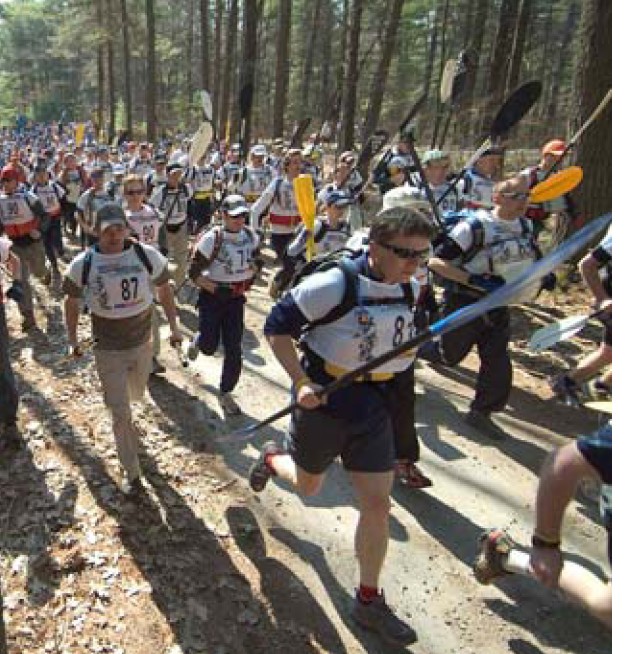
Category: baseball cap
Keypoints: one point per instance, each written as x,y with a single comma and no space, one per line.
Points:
110,214
119,169
555,146
259,150
160,157
9,173
493,150
434,155
347,157
405,196
338,199
234,205
175,165
396,164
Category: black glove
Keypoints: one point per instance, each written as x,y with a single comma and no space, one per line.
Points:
487,283
16,291
549,282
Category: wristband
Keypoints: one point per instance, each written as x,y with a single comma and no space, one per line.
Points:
537,541
300,383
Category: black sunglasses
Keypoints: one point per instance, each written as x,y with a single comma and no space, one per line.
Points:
406,253
514,196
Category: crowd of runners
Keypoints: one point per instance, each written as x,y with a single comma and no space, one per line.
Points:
119,230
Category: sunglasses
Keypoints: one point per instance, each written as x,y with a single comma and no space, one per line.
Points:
515,196
405,253
135,191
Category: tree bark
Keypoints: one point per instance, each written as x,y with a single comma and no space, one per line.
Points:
350,87
519,42
497,79
593,80
126,62
283,39
151,70
227,80
111,77
205,45
100,67
248,70
217,65
382,72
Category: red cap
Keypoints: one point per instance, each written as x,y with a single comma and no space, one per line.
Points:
555,147
9,172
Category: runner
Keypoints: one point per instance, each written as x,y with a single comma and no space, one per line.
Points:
355,422
119,277
223,267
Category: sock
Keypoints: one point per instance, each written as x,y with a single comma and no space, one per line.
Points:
517,561
268,459
367,594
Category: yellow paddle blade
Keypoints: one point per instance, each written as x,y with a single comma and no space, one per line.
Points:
305,198
557,185
79,134
306,201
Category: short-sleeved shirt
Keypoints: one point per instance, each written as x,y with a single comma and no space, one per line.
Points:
120,294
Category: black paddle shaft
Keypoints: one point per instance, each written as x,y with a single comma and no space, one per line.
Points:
514,108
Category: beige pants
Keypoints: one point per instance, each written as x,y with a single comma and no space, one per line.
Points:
32,262
178,246
124,375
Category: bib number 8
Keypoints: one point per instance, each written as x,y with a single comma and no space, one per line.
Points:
129,287
398,330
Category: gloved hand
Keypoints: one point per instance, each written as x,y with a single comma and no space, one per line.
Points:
486,282
16,291
549,282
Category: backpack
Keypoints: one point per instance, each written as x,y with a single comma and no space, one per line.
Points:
344,259
138,249
452,218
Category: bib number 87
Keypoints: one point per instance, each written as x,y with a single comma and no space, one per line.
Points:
129,287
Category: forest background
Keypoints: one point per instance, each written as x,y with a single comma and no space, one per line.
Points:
138,66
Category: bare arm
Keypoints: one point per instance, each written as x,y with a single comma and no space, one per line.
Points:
285,352
165,297
589,269
448,271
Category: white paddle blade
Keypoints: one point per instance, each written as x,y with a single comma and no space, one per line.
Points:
207,106
200,143
602,406
446,83
558,331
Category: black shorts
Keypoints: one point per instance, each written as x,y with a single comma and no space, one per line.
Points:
355,425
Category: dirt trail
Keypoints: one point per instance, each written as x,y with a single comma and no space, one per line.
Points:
206,566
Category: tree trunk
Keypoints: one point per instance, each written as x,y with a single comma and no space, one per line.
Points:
100,71
497,79
350,88
126,60
443,55
382,72
519,42
283,38
151,70
324,94
227,81
475,46
309,59
593,80
186,82
248,70
217,65
205,45
111,77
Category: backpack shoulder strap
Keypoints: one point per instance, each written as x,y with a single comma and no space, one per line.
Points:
142,255
324,228
86,266
349,299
